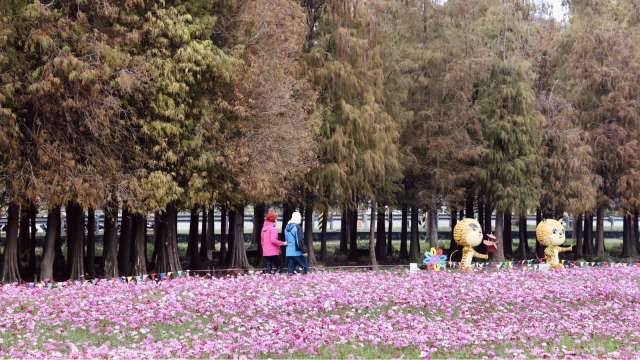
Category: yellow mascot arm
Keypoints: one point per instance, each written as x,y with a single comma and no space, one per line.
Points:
480,256
564,249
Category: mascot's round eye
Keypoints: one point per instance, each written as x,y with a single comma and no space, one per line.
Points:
555,231
474,227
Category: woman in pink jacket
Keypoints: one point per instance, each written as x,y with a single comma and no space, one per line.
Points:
270,244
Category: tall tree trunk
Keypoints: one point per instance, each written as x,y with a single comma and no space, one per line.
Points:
486,224
390,234
488,212
499,254
577,235
539,247
46,266
453,246
59,262
523,245
626,251
308,234
156,232
146,244
414,243
230,236
10,268
33,213
508,236
372,235
380,241
433,227
632,236
344,234
287,211
192,245
636,230
468,205
354,227
211,232
258,222
238,253
204,238
628,243
323,233
91,243
24,241
75,234
110,241
404,222
167,241
481,215
223,236
286,216
353,230
600,232
588,234
139,230
625,237
124,248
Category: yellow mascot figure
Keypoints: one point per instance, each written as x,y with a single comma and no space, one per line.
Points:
550,233
468,234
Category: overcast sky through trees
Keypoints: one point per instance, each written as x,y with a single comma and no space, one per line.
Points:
557,8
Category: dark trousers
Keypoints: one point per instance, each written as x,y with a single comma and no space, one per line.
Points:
293,261
271,262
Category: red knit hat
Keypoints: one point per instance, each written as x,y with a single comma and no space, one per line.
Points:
271,217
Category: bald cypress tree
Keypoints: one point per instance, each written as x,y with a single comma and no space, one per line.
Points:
185,98
358,139
511,127
570,183
271,135
9,143
599,76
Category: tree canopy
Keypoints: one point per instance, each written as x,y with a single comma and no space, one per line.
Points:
137,107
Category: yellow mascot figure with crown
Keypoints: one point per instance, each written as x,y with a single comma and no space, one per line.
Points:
550,233
468,234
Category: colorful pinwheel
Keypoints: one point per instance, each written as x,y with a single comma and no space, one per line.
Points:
434,259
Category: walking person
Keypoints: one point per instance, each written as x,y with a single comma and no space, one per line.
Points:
270,244
295,244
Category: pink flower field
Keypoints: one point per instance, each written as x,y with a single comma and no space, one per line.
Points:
581,313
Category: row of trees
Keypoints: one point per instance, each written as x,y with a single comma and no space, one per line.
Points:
144,107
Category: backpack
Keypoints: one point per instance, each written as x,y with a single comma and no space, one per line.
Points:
299,239
301,244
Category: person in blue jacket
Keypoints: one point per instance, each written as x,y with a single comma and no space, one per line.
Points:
295,244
